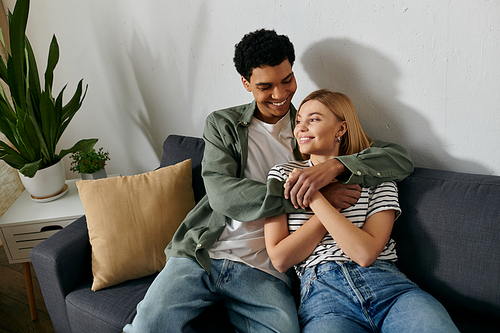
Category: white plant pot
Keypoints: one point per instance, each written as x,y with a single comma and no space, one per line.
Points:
47,183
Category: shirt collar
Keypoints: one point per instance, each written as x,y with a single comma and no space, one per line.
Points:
247,115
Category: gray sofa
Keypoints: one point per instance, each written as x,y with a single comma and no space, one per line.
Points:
448,241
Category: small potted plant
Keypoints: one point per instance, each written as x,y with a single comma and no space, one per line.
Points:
90,164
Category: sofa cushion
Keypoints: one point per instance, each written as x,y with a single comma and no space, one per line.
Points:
110,309
177,148
107,310
448,240
132,219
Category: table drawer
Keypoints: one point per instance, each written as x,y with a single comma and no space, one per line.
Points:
22,238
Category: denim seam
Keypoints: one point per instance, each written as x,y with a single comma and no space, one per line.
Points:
223,275
359,296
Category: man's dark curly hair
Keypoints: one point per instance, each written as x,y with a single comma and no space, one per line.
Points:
262,48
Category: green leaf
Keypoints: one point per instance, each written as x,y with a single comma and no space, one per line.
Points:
18,22
2,40
6,126
11,156
75,102
23,141
30,169
7,111
33,78
3,95
31,135
11,161
70,109
51,64
3,63
82,145
33,139
58,117
13,84
49,121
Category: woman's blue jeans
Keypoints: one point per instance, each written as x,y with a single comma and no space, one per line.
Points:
256,301
345,297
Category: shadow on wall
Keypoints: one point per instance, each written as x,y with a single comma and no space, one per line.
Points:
153,117
369,78
135,117
162,85
149,85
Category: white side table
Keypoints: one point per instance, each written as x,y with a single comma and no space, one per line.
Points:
27,223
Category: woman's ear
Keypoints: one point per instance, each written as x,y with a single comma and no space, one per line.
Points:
342,128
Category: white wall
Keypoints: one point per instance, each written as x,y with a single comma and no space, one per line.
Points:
425,74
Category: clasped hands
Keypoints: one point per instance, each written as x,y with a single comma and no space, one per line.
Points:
302,184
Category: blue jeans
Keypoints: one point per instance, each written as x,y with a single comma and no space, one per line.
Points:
255,300
345,297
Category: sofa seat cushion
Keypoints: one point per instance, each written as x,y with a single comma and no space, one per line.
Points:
110,309
106,310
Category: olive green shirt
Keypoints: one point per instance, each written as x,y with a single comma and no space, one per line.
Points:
231,195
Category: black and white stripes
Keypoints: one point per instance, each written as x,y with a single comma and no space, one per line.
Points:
373,199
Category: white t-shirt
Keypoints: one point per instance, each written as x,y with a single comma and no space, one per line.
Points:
268,145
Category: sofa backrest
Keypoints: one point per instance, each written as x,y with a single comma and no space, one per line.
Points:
448,238
178,148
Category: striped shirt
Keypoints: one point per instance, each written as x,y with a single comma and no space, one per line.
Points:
373,200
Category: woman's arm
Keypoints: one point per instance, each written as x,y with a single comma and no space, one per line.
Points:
361,245
285,249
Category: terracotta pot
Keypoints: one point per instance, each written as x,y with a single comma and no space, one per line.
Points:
47,182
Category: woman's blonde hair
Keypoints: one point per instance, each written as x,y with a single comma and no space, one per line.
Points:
355,139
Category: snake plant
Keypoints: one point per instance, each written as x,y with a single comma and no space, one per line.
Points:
34,121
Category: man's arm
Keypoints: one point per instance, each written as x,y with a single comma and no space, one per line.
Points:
239,198
381,162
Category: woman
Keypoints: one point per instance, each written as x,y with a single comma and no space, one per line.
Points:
345,259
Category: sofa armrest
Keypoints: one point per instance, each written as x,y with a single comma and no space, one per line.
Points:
62,262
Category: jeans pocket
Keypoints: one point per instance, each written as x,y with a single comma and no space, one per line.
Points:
305,290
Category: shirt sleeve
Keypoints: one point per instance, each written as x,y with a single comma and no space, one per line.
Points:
383,197
241,199
382,162
277,173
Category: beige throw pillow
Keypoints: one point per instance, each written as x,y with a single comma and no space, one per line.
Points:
132,219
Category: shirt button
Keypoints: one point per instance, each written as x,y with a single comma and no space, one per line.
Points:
358,173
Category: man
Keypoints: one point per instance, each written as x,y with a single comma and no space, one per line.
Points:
218,252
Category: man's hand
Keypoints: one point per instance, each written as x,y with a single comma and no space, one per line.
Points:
342,196
302,184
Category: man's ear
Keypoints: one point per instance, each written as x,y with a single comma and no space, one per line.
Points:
246,84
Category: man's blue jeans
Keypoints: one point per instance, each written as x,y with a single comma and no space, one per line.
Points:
345,297
255,300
